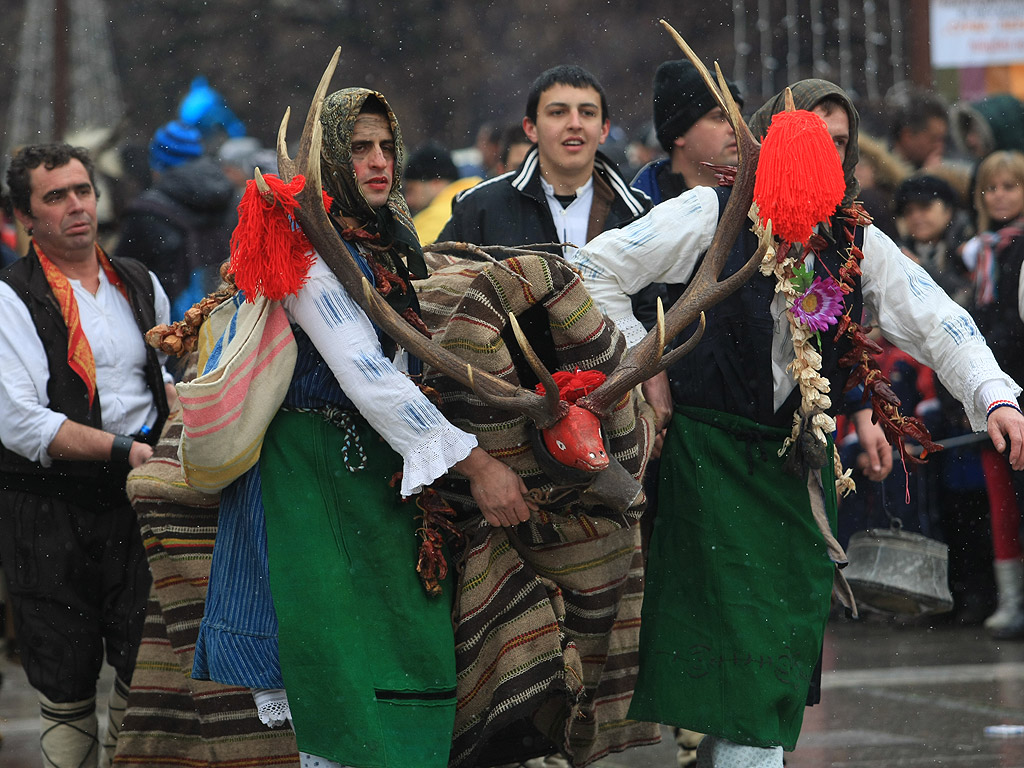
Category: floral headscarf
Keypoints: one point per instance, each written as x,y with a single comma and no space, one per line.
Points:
392,221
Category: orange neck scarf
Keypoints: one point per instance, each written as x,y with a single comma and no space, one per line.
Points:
80,357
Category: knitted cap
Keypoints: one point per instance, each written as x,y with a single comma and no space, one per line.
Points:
236,152
431,161
923,189
681,99
173,144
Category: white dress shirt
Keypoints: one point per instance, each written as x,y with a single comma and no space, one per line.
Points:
911,310
27,424
573,220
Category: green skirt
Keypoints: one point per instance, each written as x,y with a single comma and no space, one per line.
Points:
367,658
738,585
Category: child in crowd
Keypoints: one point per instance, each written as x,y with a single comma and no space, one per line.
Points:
995,256
933,227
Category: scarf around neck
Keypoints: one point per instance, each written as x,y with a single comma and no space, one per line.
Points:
986,282
79,356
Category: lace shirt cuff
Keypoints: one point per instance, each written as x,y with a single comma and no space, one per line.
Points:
432,458
631,328
983,383
272,706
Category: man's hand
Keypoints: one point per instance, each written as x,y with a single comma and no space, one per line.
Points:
497,490
139,454
173,404
876,458
658,395
1007,425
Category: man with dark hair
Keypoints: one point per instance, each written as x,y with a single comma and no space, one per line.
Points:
570,75
691,128
918,128
566,191
430,183
514,146
19,173
81,399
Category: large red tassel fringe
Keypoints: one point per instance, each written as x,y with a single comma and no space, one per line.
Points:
270,254
574,385
799,179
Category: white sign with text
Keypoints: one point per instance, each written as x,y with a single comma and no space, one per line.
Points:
976,33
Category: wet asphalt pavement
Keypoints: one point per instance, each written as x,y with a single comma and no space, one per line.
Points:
894,694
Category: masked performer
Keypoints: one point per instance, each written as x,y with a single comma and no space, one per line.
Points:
313,587
740,577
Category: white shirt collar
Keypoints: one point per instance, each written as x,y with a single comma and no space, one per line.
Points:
571,221
549,191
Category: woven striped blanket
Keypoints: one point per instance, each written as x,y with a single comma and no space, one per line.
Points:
547,615
172,720
466,307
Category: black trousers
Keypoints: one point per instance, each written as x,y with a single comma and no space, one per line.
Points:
78,582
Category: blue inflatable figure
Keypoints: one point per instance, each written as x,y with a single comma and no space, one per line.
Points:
206,109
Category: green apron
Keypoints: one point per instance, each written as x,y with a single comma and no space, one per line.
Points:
738,585
368,660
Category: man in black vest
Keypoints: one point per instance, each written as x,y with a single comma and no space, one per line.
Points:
81,399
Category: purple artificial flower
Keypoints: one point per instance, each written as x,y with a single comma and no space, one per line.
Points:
820,305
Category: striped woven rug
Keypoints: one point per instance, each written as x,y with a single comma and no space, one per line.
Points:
173,721
547,615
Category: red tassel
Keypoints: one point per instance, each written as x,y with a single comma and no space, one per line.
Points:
572,386
799,179
270,254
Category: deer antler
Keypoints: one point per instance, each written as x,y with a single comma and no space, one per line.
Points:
317,226
647,358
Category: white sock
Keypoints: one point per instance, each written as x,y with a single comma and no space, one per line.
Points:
307,760
714,752
67,733
116,705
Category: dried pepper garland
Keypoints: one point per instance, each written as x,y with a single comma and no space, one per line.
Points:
885,405
437,523
799,183
812,308
179,338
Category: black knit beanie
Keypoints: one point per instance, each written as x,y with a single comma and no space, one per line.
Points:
923,189
431,161
681,99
